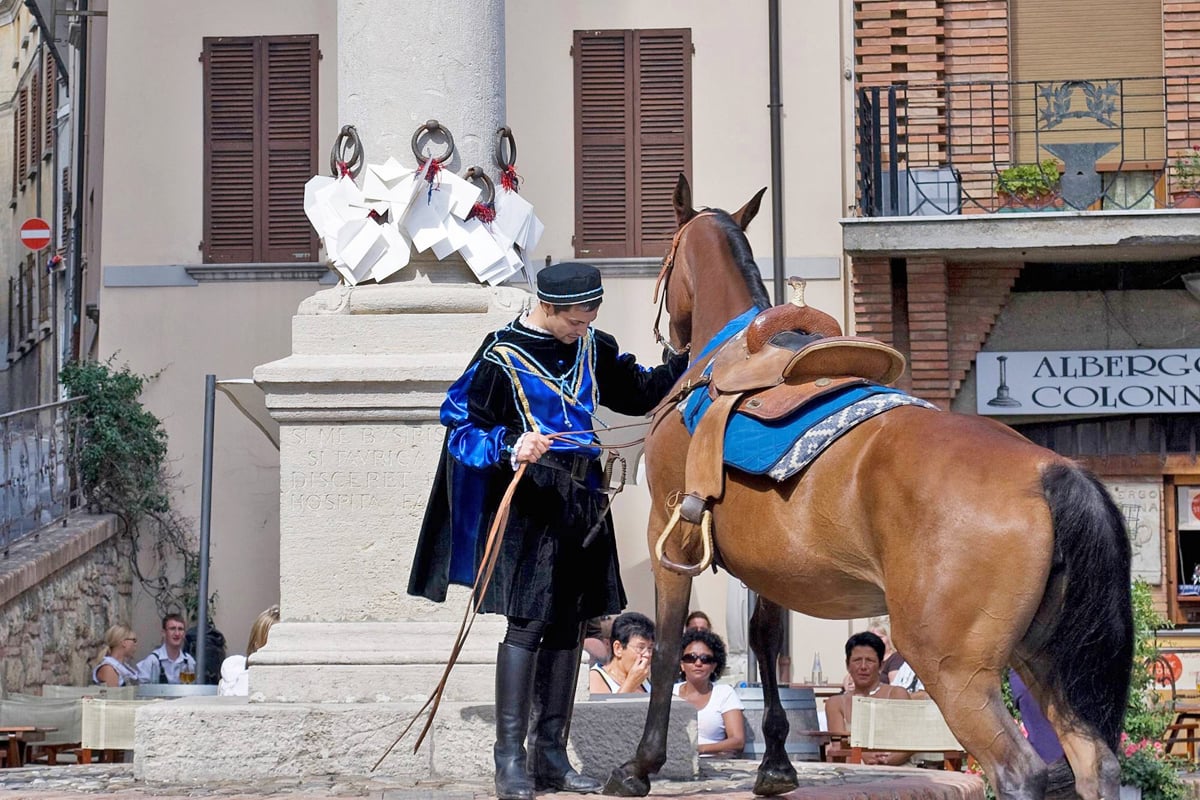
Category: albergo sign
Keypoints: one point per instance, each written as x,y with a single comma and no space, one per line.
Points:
1088,382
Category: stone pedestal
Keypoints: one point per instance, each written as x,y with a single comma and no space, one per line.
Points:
358,403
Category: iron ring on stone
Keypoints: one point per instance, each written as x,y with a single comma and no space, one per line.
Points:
476,175
503,135
429,128
347,156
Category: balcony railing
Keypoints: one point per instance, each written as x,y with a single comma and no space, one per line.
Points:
39,469
1099,144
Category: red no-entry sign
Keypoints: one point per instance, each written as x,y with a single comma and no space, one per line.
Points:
35,233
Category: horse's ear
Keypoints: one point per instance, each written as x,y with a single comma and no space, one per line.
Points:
749,211
682,200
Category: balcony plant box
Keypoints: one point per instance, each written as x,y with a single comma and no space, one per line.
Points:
1029,187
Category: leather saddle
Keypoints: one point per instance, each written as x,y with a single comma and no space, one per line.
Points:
788,356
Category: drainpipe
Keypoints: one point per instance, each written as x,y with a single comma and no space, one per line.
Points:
776,106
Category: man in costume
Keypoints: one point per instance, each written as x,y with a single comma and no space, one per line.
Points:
545,373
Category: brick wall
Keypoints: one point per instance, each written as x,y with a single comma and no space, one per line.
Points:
872,282
929,329
948,313
58,594
1181,57
977,295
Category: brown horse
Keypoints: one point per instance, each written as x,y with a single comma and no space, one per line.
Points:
985,549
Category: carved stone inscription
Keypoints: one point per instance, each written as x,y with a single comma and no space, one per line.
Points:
359,468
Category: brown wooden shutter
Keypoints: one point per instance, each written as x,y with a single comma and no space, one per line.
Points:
663,108
35,120
231,189
49,89
633,138
603,143
260,148
290,140
22,135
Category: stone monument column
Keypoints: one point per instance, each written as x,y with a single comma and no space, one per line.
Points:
358,398
357,401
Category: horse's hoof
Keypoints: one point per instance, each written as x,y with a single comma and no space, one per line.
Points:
775,780
623,783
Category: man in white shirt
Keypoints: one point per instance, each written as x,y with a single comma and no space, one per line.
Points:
168,660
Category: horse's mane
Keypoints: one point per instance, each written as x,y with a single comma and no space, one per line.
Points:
743,257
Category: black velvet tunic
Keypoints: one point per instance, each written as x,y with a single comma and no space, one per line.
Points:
543,571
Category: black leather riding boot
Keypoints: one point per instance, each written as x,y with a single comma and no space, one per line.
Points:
514,677
553,697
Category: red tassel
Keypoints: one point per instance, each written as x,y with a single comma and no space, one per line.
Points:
431,176
343,168
434,169
509,179
484,212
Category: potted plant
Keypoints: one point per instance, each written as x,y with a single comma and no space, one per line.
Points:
1185,180
1029,186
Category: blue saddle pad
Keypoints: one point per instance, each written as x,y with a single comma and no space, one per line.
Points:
785,446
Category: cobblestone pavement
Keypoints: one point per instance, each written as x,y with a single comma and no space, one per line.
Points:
719,779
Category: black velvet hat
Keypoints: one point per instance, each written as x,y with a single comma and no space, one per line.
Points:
569,283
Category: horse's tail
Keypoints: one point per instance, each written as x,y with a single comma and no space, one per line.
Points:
1085,657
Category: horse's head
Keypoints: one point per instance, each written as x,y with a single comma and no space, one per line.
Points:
710,276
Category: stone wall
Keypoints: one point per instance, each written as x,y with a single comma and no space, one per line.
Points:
59,592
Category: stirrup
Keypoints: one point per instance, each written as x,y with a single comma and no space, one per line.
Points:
705,538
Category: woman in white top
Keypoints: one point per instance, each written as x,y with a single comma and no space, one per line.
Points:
113,664
235,678
628,671
720,725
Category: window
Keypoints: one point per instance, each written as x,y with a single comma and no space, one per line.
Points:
260,140
633,136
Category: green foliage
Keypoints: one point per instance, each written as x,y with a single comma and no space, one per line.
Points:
1146,716
123,462
1029,182
123,444
1144,763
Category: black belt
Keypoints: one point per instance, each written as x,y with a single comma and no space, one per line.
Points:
576,464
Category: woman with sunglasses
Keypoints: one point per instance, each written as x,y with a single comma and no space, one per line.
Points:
720,726
114,664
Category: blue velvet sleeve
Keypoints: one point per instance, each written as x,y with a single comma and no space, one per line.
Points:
476,437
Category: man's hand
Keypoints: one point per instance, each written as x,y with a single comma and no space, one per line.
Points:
531,446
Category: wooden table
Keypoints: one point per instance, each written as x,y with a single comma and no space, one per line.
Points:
18,738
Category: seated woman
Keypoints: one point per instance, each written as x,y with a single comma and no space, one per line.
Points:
114,664
628,670
720,724
235,679
864,655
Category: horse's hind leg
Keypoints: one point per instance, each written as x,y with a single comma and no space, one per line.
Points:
970,699
632,779
776,774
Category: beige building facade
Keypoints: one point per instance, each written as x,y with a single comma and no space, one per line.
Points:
168,309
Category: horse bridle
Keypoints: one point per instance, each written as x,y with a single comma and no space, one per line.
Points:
664,279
